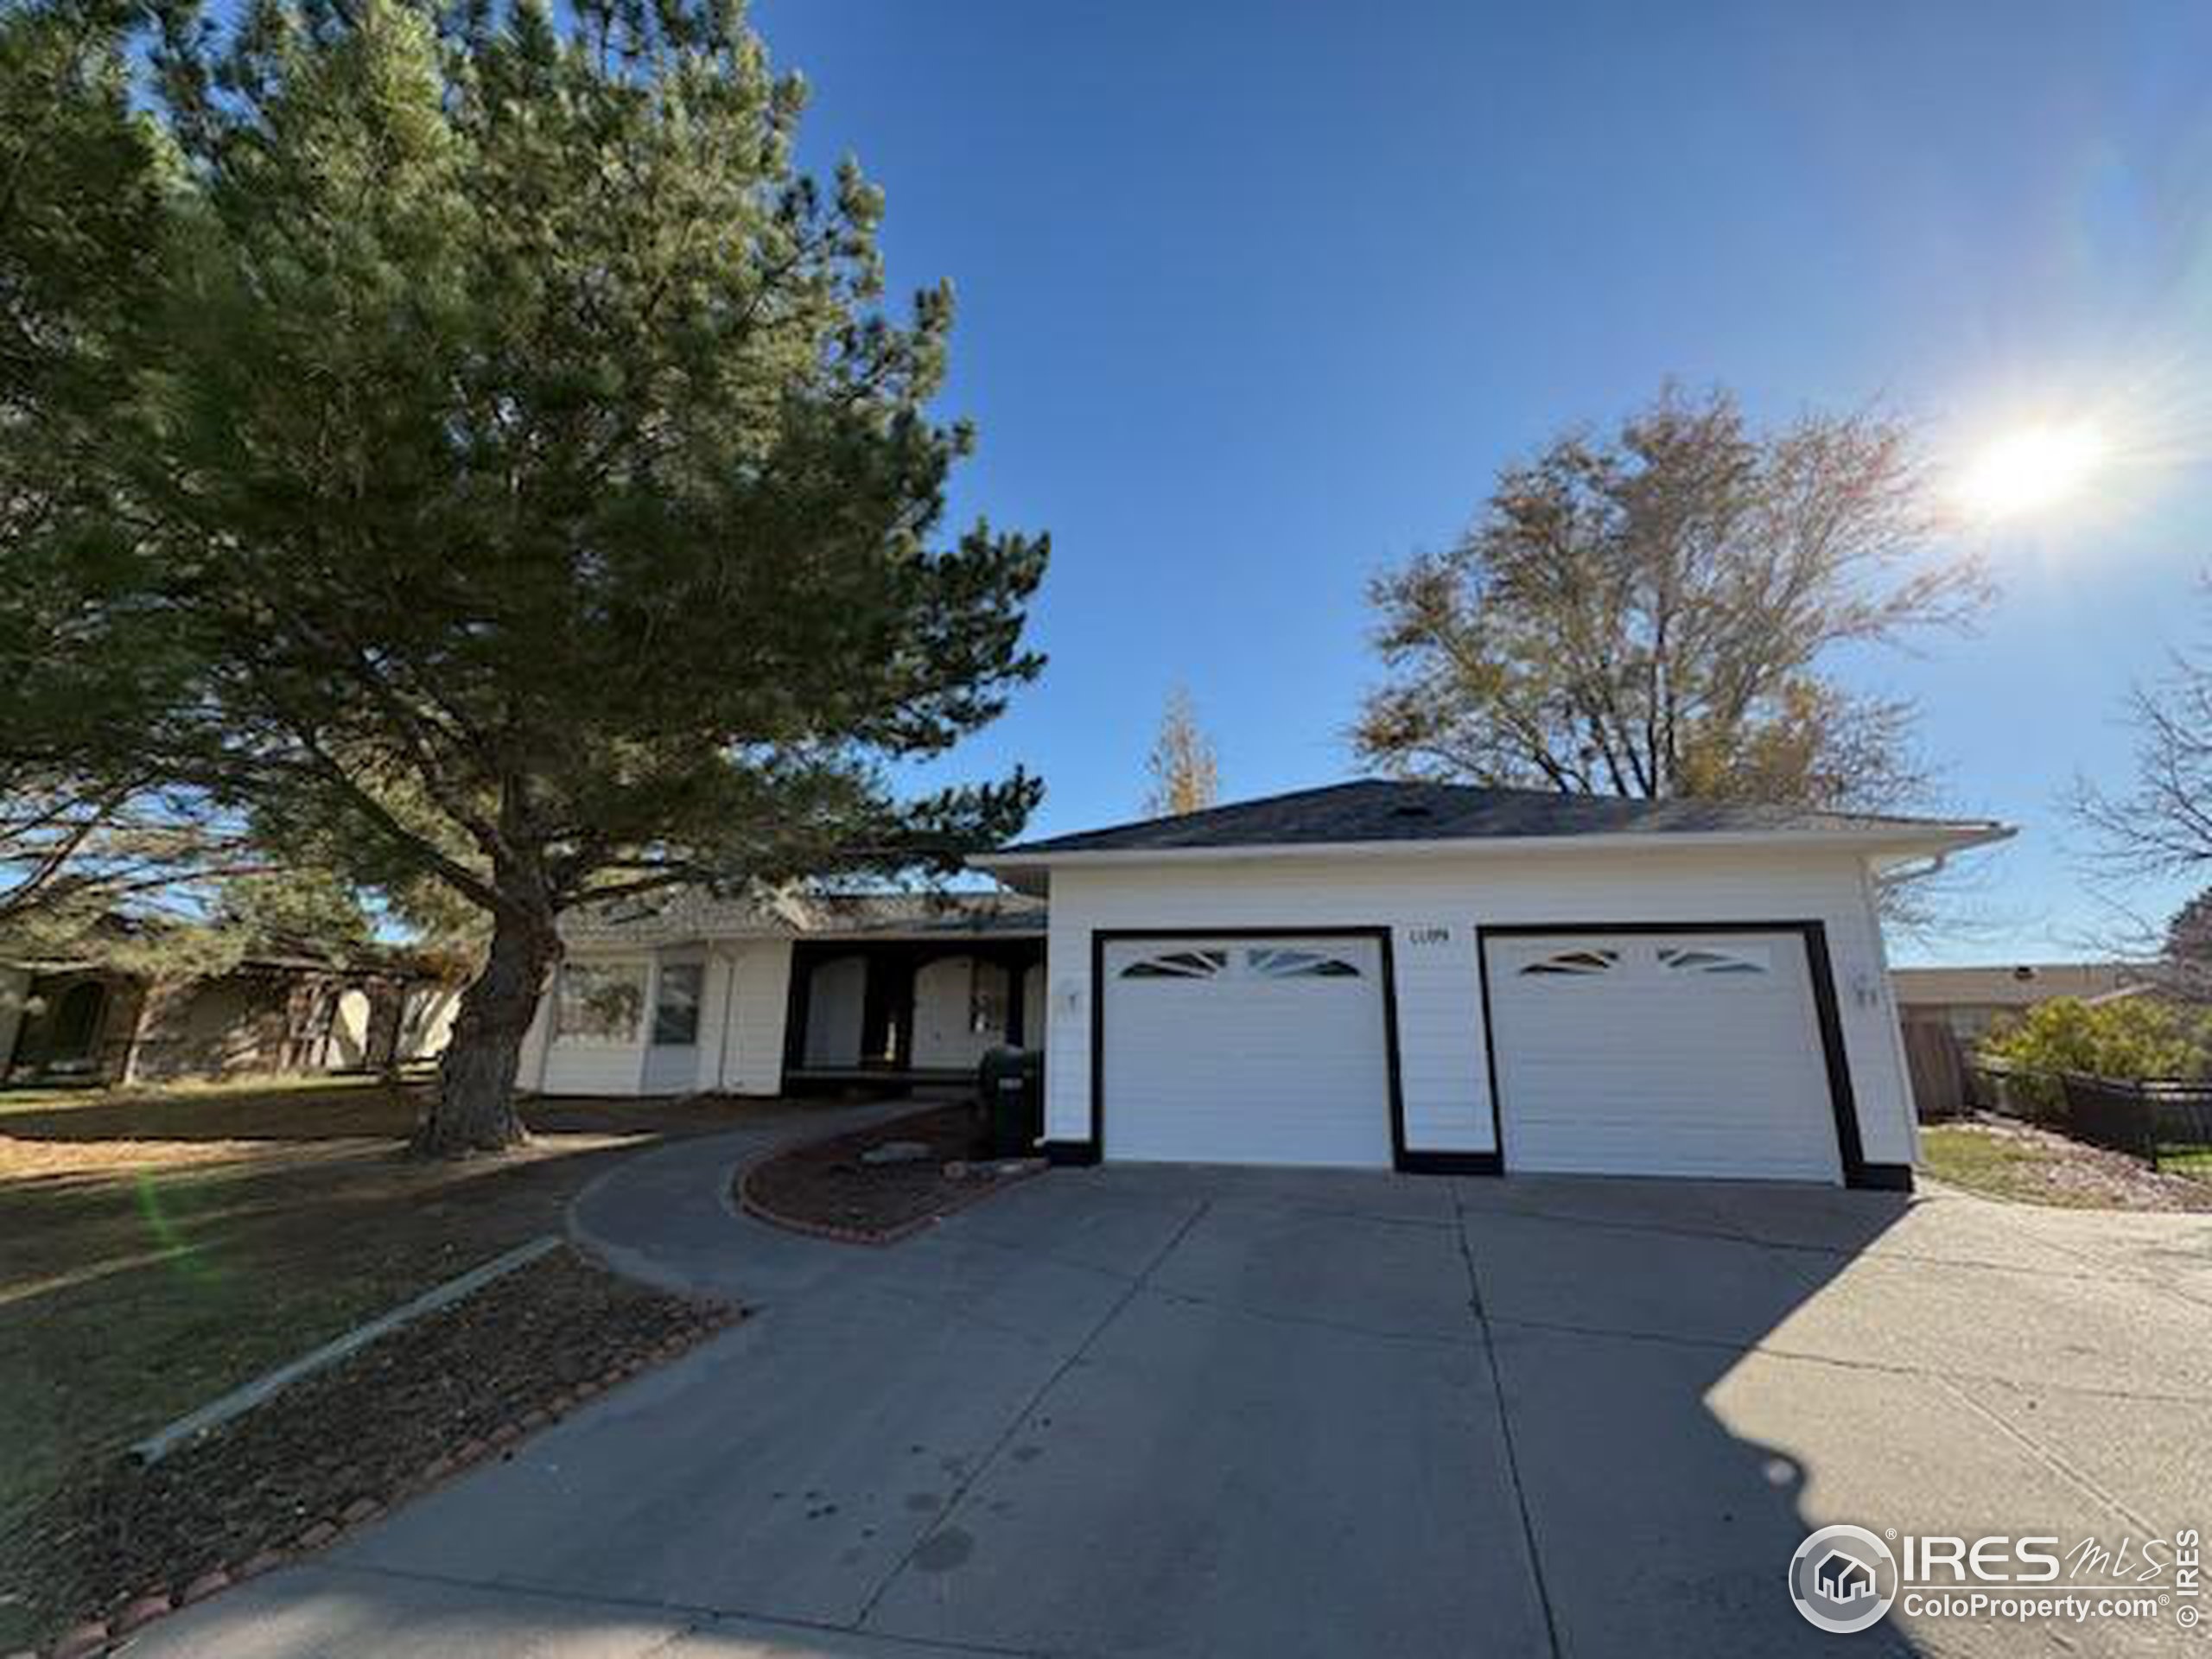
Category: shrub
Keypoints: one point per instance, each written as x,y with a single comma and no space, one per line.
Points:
2131,1038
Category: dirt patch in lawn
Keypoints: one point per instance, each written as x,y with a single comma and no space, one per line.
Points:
831,1188
450,1387
2007,1159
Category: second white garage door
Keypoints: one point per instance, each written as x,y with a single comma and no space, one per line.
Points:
1661,1054
1250,1051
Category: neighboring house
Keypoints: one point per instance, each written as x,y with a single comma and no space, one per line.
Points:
1970,1000
1410,975
685,992
65,1022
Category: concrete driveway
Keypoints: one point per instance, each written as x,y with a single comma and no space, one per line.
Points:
1174,1411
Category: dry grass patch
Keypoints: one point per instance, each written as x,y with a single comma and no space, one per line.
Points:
2006,1159
158,1248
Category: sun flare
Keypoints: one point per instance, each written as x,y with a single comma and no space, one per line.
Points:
2032,469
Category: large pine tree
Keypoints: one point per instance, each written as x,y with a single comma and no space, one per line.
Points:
517,450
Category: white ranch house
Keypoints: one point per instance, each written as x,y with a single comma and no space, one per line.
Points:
1427,978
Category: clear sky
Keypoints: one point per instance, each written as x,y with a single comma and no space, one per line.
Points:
1255,299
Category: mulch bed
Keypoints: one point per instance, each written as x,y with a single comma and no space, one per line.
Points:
825,1189
335,1449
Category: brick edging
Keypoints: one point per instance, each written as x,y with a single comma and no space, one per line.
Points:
836,1233
100,1636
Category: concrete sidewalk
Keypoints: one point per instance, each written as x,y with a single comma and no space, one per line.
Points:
1183,1411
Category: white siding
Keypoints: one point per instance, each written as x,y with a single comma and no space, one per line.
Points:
1432,904
740,1047
750,1035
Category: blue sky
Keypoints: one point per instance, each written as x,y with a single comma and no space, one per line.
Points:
1255,299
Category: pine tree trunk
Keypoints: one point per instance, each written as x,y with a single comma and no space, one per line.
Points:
474,1110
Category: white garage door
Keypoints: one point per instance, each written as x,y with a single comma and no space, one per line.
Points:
1267,1051
1661,1054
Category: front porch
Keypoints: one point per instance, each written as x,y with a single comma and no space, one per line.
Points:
907,1013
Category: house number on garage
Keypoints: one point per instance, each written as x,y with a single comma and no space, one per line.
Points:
1428,936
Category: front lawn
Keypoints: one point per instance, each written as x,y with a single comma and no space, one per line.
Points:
2012,1160
158,1248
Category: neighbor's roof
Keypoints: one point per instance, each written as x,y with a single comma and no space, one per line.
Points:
1374,811
2018,985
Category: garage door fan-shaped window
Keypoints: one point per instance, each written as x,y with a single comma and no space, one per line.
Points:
1300,964
1178,964
1575,961
1704,960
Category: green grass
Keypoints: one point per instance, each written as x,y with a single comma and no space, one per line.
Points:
2037,1167
2191,1158
2000,1165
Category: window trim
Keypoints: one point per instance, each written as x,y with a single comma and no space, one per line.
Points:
695,966
642,967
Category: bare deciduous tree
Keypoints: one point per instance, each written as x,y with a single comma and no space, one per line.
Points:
1650,615
1185,777
2159,824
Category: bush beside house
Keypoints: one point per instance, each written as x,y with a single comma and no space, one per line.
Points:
2132,1039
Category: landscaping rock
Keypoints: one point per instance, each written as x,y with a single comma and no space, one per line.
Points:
896,1151
315,1536
82,1641
360,1509
258,1563
844,1189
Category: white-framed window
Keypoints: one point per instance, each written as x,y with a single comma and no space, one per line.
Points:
599,1003
675,1003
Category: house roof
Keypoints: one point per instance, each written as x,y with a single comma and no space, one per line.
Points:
1371,811
2017,985
684,914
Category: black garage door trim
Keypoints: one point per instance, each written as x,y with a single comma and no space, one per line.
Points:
1857,1172
1090,1150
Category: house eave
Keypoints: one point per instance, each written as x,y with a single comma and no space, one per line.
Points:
1882,844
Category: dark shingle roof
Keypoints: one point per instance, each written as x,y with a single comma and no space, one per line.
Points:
1375,810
